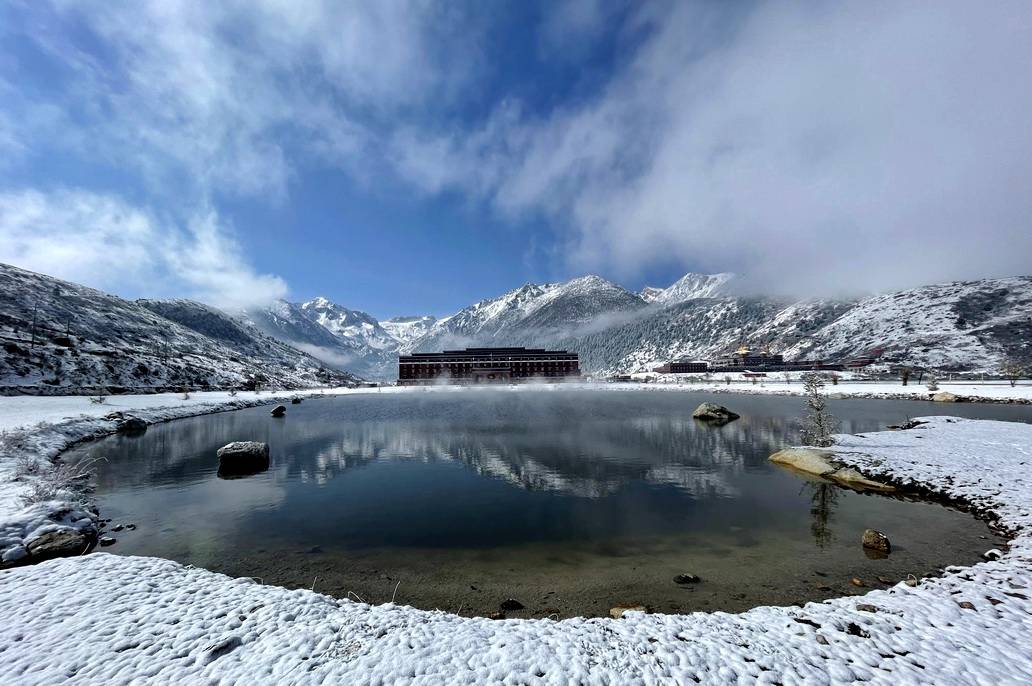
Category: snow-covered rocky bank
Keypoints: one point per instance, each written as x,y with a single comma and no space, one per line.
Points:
101,618
34,430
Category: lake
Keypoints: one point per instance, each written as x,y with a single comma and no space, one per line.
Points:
569,501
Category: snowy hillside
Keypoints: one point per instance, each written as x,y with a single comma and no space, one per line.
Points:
291,323
968,326
354,326
689,287
534,312
60,337
962,325
407,330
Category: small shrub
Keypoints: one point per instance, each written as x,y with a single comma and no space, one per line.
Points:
232,393
63,479
98,399
933,383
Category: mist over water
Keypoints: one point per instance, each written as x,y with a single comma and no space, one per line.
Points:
573,501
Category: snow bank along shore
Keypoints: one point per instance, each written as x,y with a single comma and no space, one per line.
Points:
105,618
34,430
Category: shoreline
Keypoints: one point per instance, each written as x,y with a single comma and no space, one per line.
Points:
165,621
42,442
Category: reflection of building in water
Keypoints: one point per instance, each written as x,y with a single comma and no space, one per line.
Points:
487,365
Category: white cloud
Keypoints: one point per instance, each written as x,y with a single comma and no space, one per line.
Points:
235,97
814,147
102,241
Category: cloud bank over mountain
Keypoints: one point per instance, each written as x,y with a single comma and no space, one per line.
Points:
814,148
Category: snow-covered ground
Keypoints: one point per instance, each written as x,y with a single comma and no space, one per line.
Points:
104,618
989,391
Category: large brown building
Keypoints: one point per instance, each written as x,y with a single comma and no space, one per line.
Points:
487,365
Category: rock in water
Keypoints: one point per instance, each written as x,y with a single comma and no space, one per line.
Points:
618,611
686,579
243,457
131,425
876,540
511,604
945,397
295,400
716,414
279,411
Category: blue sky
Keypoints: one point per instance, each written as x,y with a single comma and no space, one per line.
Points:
413,157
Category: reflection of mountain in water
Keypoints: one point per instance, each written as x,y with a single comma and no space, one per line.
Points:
589,459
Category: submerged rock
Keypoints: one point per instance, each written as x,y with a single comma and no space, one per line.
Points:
684,579
106,541
819,463
279,411
511,604
295,400
243,457
618,611
876,540
713,413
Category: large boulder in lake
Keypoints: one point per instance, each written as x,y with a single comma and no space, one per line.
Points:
714,414
279,411
243,457
873,539
945,397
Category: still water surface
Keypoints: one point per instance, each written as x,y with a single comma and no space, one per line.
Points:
569,501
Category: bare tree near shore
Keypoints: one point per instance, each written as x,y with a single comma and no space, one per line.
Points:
1013,370
904,374
818,424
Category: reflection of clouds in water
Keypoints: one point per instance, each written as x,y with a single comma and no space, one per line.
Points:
589,459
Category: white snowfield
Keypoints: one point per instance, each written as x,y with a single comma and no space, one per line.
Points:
102,618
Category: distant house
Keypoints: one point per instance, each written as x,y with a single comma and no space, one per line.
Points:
682,367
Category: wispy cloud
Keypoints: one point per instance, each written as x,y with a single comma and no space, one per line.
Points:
102,241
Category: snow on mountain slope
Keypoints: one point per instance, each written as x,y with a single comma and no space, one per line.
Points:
532,310
60,337
650,293
969,325
290,323
352,325
408,330
691,286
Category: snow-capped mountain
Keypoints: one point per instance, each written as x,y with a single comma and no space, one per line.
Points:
966,326
689,287
61,337
650,293
355,326
294,325
534,311
408,330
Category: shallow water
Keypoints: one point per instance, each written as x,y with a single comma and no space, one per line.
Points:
569,501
